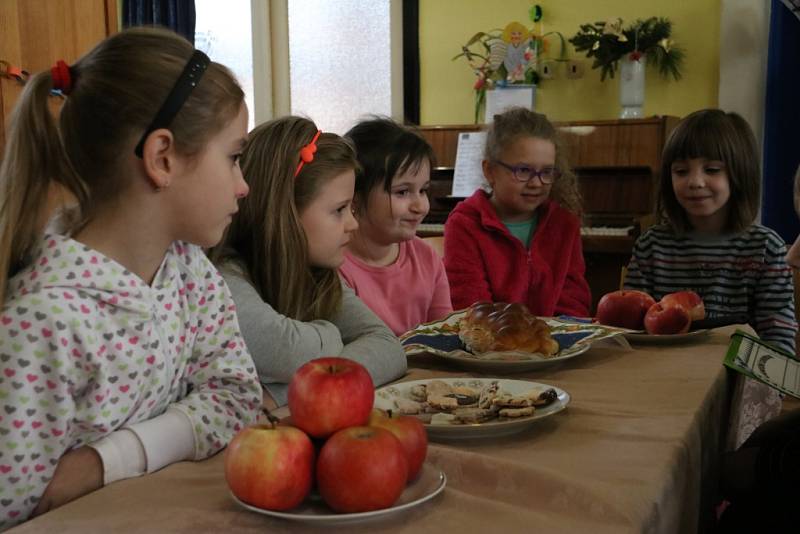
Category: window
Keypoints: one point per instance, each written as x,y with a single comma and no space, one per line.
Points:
340,60
223,32
344,56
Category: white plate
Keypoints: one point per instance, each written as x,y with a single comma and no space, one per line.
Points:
428,485
533,363
384,400
666,339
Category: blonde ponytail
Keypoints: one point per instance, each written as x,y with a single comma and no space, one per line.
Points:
34,158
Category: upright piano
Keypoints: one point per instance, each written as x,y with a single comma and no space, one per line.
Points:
617,164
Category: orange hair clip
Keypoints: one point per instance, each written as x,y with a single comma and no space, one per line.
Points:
307,153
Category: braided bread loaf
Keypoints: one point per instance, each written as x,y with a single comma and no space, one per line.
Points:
502,327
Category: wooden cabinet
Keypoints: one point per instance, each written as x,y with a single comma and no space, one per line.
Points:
617,163
617,143
34,34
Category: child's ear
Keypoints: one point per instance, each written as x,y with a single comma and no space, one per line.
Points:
159,158
488,172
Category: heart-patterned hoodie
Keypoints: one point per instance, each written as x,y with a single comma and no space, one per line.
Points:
87,347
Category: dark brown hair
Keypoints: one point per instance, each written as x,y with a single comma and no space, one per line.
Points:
519,122
714,135
266,237
385,149
117,90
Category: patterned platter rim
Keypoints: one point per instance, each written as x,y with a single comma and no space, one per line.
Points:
559,327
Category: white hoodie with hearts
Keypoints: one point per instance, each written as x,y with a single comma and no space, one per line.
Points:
87,349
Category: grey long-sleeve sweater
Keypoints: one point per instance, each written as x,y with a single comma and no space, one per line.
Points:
280,345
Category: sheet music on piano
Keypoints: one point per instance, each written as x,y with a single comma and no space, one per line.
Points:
468,174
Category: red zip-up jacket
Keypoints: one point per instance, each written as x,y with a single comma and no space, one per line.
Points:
485,262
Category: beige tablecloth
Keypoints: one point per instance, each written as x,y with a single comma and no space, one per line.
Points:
636,451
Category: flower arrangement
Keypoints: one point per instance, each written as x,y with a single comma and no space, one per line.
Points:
608,42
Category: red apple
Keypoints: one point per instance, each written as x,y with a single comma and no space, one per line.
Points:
689,300
625,308
270,466
411,433
328,394
360,469
667,320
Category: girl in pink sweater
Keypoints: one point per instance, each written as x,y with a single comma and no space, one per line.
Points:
395,273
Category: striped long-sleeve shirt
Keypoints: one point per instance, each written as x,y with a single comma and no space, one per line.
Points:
745,273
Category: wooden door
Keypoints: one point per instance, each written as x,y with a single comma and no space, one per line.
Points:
34,34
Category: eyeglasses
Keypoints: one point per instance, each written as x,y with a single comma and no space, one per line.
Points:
523,173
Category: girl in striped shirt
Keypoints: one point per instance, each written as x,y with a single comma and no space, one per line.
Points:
708,240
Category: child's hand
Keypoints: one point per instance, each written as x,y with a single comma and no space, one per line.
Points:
78,472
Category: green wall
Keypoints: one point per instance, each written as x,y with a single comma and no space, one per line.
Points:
446,86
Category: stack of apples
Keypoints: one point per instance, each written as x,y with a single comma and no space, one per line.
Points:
361,459
637,310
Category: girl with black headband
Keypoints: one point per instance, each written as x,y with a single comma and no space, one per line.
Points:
120,352
281,255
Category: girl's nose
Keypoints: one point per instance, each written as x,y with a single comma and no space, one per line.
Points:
350,223
696,178
535,179
420,204
242,188
793,256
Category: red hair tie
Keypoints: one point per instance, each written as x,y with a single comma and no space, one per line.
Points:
62,79
307,153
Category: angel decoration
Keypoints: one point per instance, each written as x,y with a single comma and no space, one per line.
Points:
507,56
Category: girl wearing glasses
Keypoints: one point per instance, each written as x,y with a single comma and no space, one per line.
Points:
520,242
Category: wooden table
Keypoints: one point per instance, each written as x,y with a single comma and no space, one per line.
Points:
635,451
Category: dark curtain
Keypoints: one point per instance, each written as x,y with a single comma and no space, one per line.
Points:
782,121
177,15
411,61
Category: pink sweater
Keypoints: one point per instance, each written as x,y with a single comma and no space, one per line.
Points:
410,291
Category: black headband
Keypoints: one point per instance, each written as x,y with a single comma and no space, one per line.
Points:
187,81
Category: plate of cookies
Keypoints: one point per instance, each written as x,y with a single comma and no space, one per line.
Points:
504,338
473,407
